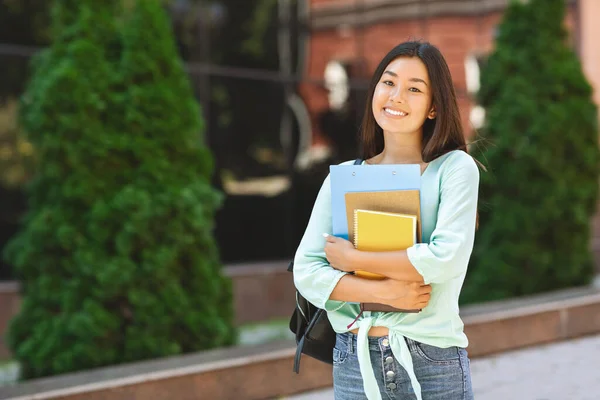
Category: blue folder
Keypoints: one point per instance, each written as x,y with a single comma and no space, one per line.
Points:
367,178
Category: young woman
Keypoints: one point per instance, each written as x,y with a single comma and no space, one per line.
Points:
411,117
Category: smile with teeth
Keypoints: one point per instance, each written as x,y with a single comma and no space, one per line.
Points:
395,113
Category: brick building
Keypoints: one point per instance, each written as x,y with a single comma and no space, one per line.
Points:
358,33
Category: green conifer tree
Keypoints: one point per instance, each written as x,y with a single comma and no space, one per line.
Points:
116,256
541,149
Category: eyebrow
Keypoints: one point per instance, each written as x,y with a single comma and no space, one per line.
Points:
419,80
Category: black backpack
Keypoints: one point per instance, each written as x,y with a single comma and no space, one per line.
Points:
314,335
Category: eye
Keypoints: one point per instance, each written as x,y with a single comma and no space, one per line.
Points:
414,89
389,83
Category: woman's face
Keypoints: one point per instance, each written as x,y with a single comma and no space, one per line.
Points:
402,98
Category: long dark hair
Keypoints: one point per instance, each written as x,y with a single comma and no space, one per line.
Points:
440,135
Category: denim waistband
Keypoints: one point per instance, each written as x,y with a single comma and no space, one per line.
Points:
375,342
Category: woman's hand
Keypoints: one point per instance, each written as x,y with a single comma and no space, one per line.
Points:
339,253
404,295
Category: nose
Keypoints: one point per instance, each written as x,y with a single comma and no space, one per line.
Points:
396,95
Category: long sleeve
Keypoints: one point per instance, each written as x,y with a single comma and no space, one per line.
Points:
314,278
446,256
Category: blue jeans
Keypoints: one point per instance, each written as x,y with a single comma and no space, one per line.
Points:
444,374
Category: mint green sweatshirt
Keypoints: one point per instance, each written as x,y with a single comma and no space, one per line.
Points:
449,192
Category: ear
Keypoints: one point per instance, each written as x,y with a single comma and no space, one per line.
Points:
432,113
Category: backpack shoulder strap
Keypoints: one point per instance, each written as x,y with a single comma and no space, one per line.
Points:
358,161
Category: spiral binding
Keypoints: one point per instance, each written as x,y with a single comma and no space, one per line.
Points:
356,228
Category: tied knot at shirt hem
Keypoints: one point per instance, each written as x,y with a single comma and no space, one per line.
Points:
400,350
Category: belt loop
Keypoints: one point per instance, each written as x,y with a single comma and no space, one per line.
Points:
351,338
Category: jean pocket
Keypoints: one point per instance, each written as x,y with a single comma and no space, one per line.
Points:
438,355
339,356
340,350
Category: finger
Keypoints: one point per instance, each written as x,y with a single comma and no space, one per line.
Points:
421,301
425,289
421,291
329,238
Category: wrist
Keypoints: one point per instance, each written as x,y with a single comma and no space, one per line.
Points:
380,290
352,260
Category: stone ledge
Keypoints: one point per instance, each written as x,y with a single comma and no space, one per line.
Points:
563,317
265,371
119,376
258,372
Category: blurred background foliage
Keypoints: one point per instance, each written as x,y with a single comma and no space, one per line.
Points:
541,146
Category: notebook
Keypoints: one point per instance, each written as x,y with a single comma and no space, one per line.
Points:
383,231
394,201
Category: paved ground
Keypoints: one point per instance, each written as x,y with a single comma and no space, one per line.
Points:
560,371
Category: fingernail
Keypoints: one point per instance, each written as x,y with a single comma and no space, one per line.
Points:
325,235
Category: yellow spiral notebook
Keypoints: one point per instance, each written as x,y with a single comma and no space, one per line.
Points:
383,231
391,201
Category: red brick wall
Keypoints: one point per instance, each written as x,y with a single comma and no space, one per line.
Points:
455,36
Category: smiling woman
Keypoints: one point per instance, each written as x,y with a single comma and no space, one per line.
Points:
411,117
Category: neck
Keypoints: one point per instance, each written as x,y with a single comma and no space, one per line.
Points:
402,148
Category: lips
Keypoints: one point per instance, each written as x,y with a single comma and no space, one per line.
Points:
394,112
